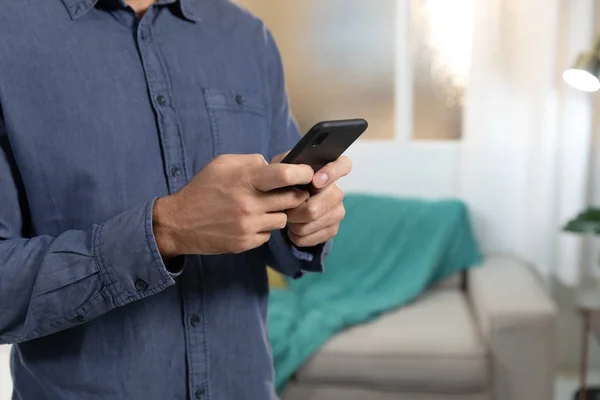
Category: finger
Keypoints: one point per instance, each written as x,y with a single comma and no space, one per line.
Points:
247,160
333,217
279,158
252,242
317,205
314,239
272,221
275,176
332,172
282,199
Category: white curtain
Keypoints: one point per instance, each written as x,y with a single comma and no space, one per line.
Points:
524,160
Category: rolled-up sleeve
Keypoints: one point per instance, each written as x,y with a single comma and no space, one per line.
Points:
48,284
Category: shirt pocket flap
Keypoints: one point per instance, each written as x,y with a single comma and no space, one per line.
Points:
221,100
239,121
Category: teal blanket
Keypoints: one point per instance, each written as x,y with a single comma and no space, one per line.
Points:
387,252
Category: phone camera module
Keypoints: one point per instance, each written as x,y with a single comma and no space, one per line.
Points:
320,139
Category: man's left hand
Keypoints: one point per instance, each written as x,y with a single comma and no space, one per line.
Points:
318,219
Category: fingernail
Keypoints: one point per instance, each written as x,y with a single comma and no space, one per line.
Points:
321,178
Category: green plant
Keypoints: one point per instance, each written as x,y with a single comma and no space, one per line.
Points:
587,221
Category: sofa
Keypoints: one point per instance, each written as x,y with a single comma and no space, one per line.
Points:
487,334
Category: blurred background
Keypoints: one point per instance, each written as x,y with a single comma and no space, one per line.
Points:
466,102
341,60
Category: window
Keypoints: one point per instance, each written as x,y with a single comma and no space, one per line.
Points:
340,61
338,57
441,36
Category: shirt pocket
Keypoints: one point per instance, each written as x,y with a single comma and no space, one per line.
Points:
239,121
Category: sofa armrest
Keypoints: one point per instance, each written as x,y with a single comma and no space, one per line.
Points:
517,319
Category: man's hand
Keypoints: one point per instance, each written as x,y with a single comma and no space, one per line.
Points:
231,206
318,218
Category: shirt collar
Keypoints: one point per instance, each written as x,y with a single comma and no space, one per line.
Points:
76,8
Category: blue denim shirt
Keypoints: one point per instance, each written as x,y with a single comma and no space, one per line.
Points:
101,114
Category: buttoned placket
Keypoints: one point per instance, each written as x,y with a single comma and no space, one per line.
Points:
177,176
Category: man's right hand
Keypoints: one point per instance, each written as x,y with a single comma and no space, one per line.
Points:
231,206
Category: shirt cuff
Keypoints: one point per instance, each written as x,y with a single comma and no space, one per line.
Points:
308,254
294,261
128,257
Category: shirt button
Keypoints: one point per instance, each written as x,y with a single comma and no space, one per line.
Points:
140,285
175,171
239,99
199,394
195,320
78,318
161,100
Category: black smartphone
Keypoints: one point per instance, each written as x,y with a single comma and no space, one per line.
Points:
326,142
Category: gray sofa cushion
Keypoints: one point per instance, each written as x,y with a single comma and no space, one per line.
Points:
432,345
331,392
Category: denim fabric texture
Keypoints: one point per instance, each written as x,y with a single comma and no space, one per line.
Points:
102,113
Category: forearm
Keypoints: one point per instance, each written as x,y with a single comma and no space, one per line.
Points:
53,283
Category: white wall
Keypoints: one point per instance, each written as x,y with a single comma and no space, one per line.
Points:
411,170
5,384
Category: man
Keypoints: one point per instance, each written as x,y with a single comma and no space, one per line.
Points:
106,106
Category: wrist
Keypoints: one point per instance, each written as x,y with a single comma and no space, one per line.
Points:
165,227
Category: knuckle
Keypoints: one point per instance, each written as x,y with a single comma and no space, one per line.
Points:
313,211
339,194
285,174
220,159
244,206
258,159
229,157
342,213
